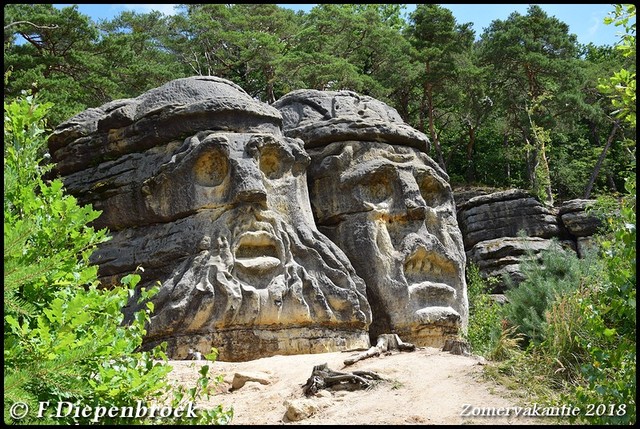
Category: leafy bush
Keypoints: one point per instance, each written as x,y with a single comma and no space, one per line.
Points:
585,324
610,313
64,340
484,327
565,332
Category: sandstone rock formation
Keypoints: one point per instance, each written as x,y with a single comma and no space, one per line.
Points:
503,228
376,193
580,223
199,187
500,229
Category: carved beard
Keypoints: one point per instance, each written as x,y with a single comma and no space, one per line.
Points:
410,282
263,272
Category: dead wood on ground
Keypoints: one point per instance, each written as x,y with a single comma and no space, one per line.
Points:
385,343
322,377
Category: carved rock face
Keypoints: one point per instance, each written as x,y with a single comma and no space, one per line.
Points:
389,207
216,208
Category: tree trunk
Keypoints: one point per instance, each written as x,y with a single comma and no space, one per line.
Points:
547,174
531,163
611,182
505,145
470,173
603,154
432,129
322,377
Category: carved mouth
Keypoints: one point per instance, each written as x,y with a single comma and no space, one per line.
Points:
257,251
427,273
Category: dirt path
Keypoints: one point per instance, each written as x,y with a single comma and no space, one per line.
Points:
426,386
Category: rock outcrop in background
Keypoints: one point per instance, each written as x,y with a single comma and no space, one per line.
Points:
503,228
388,206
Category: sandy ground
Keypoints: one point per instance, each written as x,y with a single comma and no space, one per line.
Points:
426,386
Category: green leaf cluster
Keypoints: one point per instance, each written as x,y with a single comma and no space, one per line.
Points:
621,87
485,314
64,339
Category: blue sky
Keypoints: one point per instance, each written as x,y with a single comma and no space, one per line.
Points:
584,20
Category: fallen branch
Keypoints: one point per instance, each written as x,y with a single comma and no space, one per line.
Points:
385,343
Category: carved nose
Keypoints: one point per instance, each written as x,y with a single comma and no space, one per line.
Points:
414,204
251,196
416,209
247,184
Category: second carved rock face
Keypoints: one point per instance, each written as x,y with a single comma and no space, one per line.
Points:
389,207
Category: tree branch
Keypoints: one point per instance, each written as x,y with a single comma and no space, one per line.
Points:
44,27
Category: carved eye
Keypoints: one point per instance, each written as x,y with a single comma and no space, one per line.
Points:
211,168
376,190
272,162
432,190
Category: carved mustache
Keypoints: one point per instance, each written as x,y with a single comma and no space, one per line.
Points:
426,254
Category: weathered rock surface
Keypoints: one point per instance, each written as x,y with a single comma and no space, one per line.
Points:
503,256
505,214
320,119
241,378
577,219
202,190
389,206
503,228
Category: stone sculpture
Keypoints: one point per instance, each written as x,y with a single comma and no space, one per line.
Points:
388,206
200,188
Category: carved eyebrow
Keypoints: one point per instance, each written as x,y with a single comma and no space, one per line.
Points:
258,142
284,150
398,157
363,170
195,147
213,142
423,171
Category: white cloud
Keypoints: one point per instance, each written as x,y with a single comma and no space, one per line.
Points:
596,24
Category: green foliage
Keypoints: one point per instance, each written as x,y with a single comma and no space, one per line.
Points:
610,373
38,216
541,180
573,160
581,318
621,87
64,340
558,272
533,58
566,332
75,63
485,316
